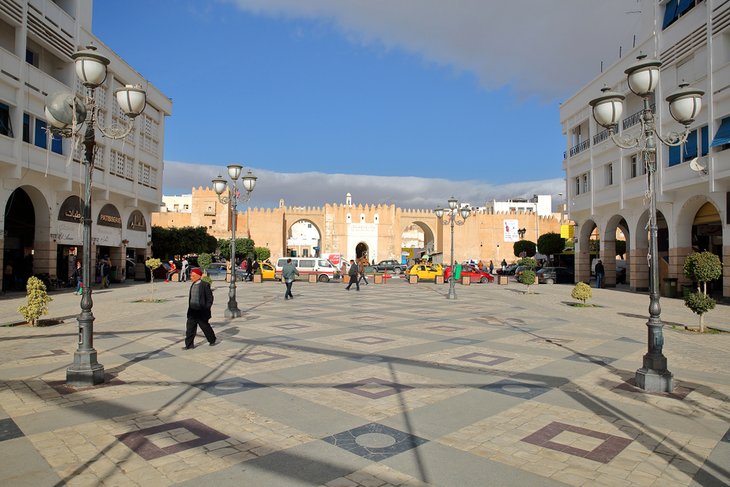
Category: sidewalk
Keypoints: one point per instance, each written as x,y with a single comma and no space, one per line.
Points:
392,385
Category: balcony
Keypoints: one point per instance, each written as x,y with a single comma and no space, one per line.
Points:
600,137
635,118
580,147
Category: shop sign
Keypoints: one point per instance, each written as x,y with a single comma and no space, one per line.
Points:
109,217
137,222
71,210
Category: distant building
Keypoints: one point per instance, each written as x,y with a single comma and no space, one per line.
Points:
540,204
43,177
177,204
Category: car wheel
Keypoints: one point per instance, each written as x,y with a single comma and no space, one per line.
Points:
397,270
324,278
549,281
484,280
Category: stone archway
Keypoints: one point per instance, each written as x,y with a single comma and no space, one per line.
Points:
418,237
639,262
583,253
303,239
617,270
362,250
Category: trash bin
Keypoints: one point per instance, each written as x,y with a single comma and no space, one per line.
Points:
670,287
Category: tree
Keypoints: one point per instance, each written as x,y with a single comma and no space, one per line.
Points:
527,278
525,246
582,292
550,243
204,261
38,300
244,247
168,242
152,264
701,267
262,253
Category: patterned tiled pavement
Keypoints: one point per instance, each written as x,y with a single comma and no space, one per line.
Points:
390,386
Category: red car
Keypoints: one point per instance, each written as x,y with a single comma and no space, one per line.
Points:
475,275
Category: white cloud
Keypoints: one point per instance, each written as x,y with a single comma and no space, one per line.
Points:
317,189
543,47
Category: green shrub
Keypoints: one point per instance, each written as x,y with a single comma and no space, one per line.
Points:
528,262
38,300
152,264
204,261
206,278
262,253
527,278
582,292
701,267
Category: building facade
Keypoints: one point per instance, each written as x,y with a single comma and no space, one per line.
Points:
380,231
606,186
43,177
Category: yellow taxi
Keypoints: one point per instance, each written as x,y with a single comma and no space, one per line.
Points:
426,271
267,271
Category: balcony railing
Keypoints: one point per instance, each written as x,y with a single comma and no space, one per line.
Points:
578,148
635,118
600,137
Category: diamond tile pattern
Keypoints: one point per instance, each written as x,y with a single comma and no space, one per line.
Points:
384,388
191,433
609,447
365,441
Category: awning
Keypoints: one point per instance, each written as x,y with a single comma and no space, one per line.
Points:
722,136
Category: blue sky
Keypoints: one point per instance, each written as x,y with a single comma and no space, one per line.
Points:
375,89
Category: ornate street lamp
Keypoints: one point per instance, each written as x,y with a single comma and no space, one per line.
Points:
220,185
684,106
452,212
66,115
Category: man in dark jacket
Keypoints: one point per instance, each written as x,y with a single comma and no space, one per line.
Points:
200,301
353,272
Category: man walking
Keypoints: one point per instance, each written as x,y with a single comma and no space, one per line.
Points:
184,270
600,273
288,273
361,269
353,272
200,300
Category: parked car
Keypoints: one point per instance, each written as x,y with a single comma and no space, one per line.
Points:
322,268
426,271
509,270
473,272
390,265
217,271
552,275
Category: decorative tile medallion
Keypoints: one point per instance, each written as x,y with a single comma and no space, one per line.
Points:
291,326
228,386
375,441
374,388
165,439
483,358
522,390
9,430
445,328
590,359
603,451
138,357
370,340
259,357
462,341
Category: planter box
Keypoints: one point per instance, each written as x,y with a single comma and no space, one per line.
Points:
312,278
346,279
439,279
413,279
379,279
466,280
258,278
503,280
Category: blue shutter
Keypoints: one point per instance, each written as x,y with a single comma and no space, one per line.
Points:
690,147
26,128
670,13
57,144
675,155
684,6
722,136
705,140
40,134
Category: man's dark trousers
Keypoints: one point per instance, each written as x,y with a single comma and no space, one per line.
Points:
191,328
288,293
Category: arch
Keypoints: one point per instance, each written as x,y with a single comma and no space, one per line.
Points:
617,270
362,250
137,222
639,270
429,241
71,210
686,218
583,255
109,216
305,243
27,234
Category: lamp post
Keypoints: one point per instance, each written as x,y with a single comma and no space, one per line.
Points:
66,116
220,186
452,213
684,105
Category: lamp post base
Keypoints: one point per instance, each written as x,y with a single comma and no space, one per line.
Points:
652,380
232,313
85,371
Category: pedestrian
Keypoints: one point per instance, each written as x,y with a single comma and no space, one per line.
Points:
361,269
288,273
249,269
343,269
105,268
600,273
171,272
491,267
354,269
244,268
184,269
79,276
504,265
200,301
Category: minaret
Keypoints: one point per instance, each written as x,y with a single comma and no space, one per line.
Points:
348,199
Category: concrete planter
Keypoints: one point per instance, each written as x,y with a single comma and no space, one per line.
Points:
379,279
312,278
503,280
466,281
439,279
413,279
258,278
346,279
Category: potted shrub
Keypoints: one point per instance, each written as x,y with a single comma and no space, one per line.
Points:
38,300
152,264
701,267
527,278
582,292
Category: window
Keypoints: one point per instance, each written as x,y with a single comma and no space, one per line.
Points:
40,134
5,127
634,166
349,218
694,147
577,185
609,174
362,217
31,57
305,252
722,137
26,128
586,183
674,9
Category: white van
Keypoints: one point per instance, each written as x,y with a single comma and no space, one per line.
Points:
322,268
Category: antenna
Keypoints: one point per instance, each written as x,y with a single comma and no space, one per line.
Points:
697,167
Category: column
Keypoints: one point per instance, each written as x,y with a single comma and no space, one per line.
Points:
608,258
639,270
